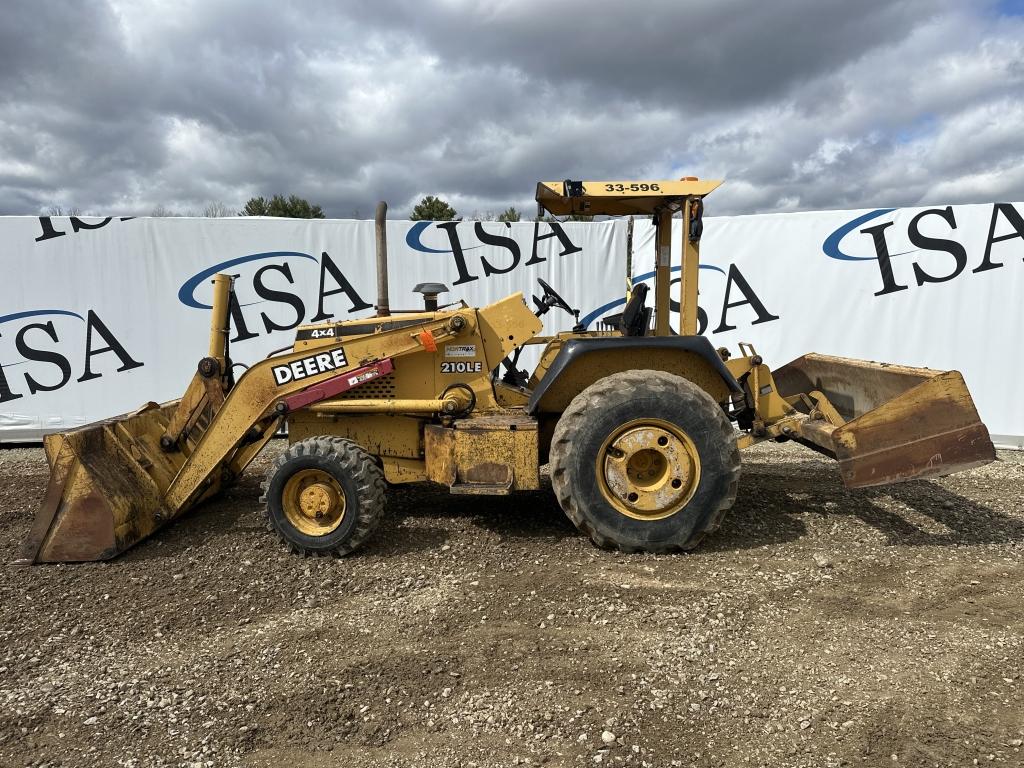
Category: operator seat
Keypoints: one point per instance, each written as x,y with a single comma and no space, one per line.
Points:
636,317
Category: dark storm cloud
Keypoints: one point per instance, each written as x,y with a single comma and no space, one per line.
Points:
128,106
696,54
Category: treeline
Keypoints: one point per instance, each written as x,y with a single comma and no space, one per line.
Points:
430,208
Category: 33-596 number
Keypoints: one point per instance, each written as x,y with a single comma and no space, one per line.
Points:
637,187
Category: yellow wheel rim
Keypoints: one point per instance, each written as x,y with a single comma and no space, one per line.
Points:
313,502
648,469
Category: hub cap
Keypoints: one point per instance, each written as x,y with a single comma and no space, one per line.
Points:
648,469
314,502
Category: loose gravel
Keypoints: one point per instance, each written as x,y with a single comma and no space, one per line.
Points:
818,627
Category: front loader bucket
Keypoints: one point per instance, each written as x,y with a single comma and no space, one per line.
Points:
115,482
106,488
900,423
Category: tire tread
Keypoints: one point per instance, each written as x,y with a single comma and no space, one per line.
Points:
609,389
352,459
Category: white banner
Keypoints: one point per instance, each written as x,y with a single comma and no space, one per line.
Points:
97,316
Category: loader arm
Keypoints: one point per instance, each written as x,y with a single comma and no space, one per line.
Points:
115,482
258,395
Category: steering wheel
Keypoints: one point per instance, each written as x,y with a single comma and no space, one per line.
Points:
551,299
513,375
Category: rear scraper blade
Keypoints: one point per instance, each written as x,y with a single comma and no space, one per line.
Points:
902,423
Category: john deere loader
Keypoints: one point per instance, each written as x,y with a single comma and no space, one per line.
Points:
641,425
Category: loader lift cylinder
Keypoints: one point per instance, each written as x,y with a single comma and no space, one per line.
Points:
219,317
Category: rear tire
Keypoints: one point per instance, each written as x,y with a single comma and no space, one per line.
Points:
324,496
644,461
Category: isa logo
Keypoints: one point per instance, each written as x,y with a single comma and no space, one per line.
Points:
272,291
456,238
42,350
723,291
932,238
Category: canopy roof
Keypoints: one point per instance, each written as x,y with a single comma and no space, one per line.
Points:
619,198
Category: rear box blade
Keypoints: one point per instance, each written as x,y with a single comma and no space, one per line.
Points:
902,423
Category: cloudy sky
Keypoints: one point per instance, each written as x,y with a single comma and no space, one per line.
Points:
125,106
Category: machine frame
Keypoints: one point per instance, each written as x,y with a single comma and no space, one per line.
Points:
418,395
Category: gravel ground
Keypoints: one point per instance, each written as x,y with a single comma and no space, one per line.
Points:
818,627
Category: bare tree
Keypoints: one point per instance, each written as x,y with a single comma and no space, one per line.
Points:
162,211
217,210
58,210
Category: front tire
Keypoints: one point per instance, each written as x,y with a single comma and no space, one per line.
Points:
324,496
644,461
